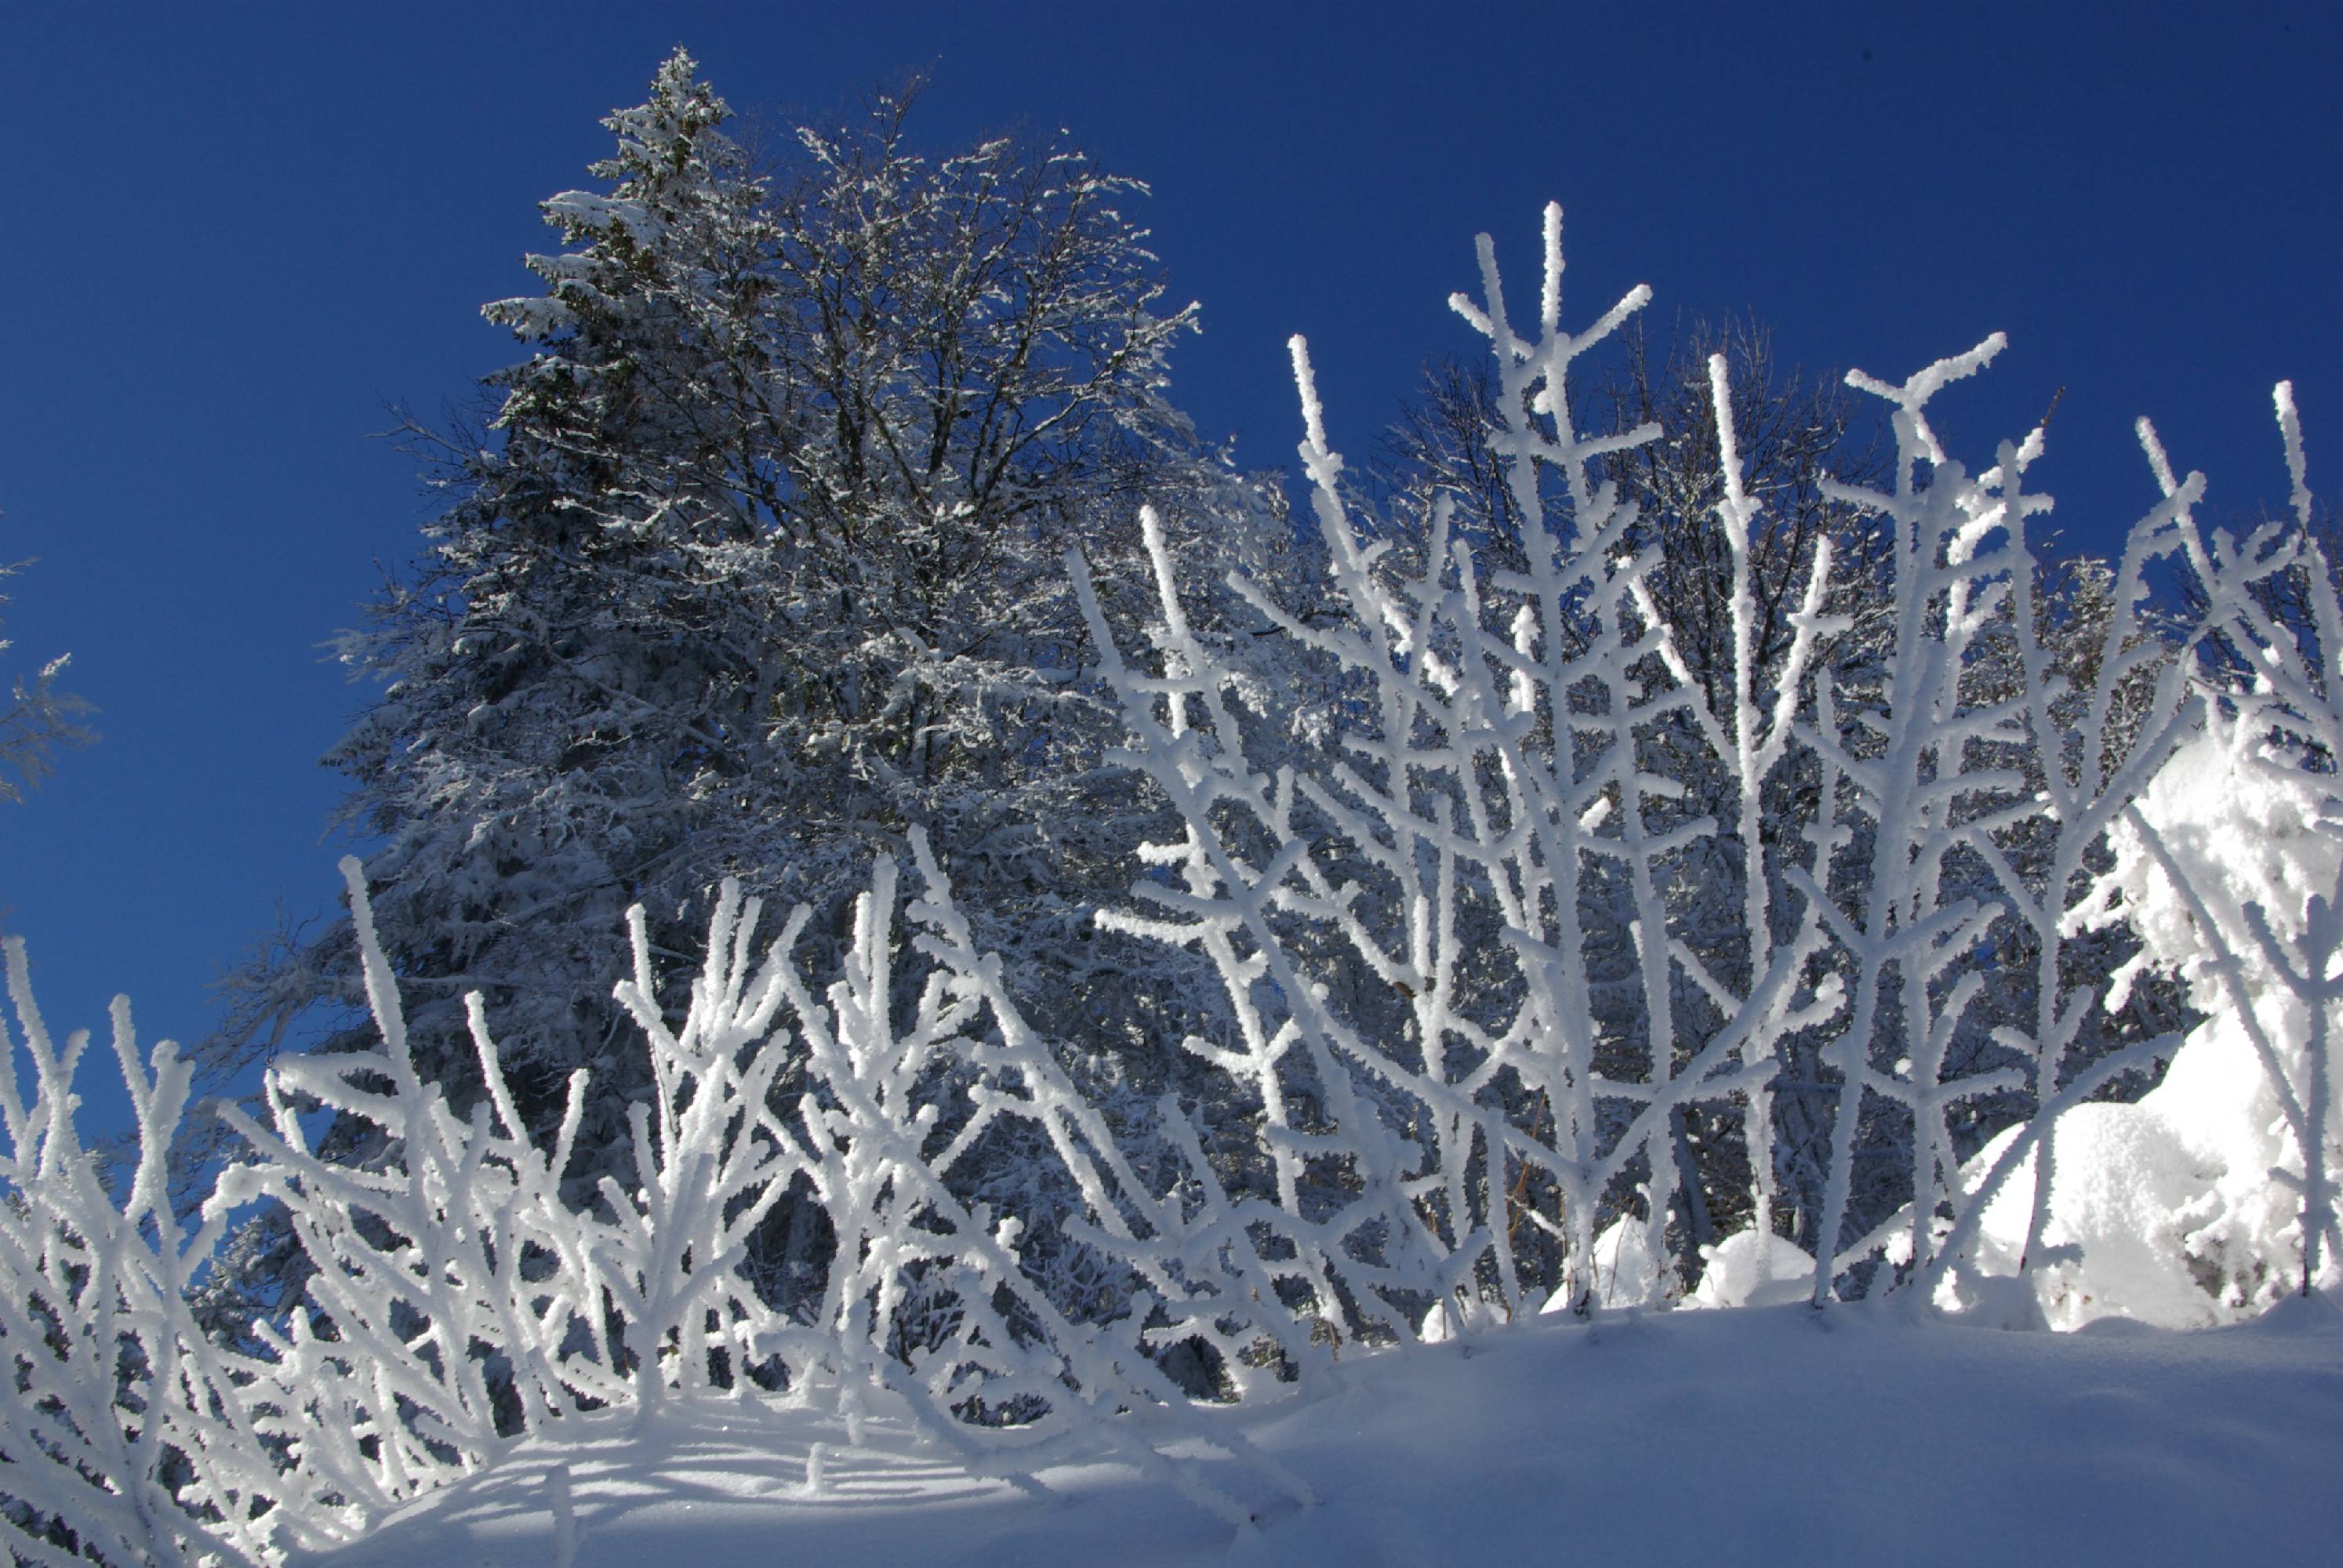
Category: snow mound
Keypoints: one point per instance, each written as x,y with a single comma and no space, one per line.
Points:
1740,1274
2164,1209
2126,1186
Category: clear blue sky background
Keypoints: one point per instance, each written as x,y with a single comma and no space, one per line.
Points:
231,235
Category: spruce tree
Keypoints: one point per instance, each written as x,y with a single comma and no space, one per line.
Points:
758,568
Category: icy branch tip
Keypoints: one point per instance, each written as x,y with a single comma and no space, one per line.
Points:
1720,395
1550,294
1313,415
2290,426
353,871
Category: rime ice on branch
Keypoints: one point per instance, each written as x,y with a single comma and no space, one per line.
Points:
457,1301
1450,1154
125,1428
1456,1089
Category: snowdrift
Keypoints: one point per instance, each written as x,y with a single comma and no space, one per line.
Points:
1772,1435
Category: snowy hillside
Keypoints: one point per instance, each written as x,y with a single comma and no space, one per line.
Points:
1762,1435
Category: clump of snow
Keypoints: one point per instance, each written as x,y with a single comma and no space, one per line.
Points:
2125,1188
1754,1268
2242,823
1626,1274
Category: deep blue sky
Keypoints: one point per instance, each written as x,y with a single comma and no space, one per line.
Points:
233,235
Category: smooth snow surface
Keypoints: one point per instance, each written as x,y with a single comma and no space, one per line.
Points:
1767,1435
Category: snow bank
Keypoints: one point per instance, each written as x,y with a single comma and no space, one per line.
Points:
1757,1435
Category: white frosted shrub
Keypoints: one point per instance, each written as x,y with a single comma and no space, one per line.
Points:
1399,916
123,1433
457,1300
1486,771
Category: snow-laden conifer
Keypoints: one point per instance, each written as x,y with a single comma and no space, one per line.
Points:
754,565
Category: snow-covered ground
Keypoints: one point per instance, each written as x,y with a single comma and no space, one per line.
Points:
1761,1436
